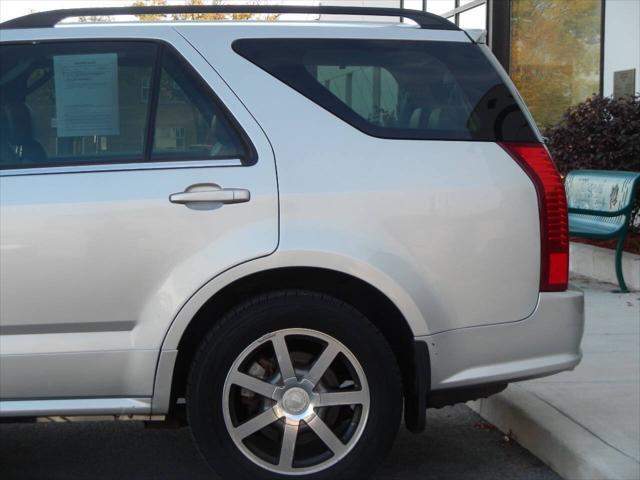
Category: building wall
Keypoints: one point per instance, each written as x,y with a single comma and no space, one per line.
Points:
621,40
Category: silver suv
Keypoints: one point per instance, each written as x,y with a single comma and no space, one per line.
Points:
293,233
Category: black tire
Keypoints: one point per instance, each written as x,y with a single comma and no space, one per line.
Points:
274,312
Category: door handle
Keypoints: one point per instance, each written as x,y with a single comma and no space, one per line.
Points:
222,195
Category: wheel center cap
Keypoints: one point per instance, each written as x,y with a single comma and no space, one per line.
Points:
295,401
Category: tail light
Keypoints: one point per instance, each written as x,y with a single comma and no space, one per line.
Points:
554,255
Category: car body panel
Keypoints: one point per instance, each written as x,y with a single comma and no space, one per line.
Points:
448,231
545,343
445,219
111,261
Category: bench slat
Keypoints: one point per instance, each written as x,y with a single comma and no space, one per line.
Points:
597,213
595,227
603,191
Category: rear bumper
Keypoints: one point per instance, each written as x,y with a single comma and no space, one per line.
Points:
544,343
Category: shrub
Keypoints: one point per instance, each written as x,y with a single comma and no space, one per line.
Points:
600,133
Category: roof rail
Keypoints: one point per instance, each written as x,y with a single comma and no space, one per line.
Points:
53,17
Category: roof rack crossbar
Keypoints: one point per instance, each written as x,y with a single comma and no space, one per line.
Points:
51,18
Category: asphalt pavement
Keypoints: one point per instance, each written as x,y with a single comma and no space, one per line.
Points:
457,445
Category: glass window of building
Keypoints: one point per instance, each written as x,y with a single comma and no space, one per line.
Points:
412,4
466,16
555,54
440,6
475,18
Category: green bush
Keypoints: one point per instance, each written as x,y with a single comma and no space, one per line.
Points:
600,133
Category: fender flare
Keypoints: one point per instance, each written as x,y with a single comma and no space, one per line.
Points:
291,259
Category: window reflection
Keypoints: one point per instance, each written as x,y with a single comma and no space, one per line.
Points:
555,54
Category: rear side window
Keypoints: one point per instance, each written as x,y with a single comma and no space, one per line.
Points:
82,103
398,89
188,122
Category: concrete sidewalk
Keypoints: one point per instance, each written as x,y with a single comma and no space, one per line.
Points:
584,424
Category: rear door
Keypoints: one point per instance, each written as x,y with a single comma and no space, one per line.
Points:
130,177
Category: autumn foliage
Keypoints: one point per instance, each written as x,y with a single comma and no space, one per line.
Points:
194,16
555,54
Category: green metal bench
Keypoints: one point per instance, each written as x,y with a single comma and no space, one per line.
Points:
600,204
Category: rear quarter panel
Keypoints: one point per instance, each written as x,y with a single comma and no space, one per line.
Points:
453,224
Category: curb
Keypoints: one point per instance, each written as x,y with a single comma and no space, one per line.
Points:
599,263
565,446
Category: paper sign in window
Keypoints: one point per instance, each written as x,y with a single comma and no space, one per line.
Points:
86,88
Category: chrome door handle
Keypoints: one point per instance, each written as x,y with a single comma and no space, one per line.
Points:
223,195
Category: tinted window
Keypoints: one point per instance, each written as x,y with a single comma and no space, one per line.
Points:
189,123
90,102
63,103
397,89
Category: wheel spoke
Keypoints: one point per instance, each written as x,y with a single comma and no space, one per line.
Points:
253,384
284,359
293,389
324,361
341,398
327,436
255,424
288,446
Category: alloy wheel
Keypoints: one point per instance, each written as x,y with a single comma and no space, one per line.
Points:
296,401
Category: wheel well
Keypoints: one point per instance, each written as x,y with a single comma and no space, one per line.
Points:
367,299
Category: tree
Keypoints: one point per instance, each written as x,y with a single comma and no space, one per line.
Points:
150,3
555,54
196,16
94,19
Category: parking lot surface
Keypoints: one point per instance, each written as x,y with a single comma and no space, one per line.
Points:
457,445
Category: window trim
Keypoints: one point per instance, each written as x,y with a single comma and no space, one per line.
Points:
145,161
170,164
154,95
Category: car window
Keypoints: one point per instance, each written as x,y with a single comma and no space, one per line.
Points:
68,103
77,103
397,89
189,121
371,92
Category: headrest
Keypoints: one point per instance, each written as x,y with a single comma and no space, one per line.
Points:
448,118
15,119
417,119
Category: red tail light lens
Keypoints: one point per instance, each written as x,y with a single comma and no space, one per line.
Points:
537,163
